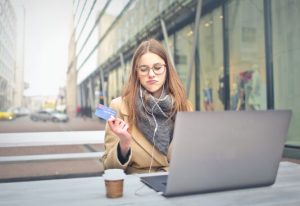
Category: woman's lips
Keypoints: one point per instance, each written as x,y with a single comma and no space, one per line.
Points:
151,81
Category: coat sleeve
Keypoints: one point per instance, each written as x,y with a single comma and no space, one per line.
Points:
110,157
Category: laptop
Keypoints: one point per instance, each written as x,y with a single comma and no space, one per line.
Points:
217,151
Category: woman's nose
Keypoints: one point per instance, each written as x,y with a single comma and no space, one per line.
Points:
151,73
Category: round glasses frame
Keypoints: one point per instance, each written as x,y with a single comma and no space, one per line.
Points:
157,69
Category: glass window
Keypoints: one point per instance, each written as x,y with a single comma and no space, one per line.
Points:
119,73
211,62
183,47
170,44
286,53
112,85
247,55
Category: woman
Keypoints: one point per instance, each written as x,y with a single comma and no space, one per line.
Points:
139,138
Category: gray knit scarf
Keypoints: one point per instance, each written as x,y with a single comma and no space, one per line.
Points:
153,119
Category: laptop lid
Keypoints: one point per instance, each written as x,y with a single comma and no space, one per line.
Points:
216,151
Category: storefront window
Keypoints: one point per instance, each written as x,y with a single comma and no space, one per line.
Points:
183,47
170,44
286,53
247,55
120,78
112,85
211,62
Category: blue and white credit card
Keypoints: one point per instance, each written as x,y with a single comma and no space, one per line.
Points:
104,112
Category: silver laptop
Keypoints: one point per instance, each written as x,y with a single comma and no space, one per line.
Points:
217,151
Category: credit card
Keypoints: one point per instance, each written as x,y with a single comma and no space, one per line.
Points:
104,112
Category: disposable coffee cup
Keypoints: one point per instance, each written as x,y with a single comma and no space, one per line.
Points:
114,181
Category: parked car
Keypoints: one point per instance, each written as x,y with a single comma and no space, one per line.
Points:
59,117
19,111
6,115
45,115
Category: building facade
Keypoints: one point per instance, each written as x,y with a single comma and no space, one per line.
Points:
20,85
7,54
230,55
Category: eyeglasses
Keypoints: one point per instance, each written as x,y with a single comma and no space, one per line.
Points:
157,69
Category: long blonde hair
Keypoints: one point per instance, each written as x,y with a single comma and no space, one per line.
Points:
172,84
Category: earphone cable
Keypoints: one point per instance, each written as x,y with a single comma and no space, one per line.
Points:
152,151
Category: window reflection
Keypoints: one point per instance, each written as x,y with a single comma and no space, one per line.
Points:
247,55
286,51
211,62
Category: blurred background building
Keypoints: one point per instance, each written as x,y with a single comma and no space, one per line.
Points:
8,54
230,54
12,44
12,63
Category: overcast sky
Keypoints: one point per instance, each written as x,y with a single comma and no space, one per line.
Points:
47,33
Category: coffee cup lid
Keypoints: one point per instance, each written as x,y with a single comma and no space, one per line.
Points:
114,174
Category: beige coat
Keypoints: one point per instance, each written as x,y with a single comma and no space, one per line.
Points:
141,148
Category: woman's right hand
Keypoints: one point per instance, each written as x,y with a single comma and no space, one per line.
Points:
120,128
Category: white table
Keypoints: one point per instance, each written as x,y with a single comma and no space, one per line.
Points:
91,191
